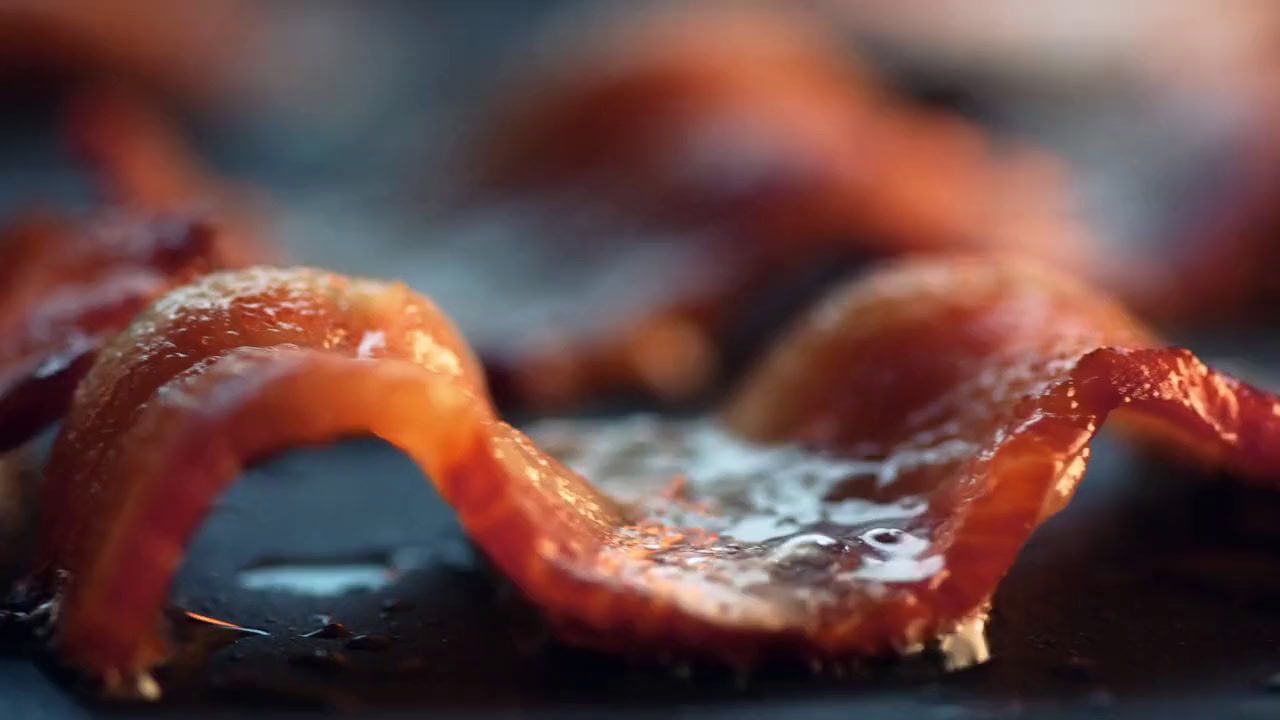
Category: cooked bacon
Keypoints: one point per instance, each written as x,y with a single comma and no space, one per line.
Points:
670,353
883,466
190,51
136,155
139,160
758,118
752,127
67,288
1222,271
244,356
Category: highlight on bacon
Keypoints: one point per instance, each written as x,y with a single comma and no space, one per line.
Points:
863,493
756,129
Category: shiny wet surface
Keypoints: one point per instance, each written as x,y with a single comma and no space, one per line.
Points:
759,529
1153,587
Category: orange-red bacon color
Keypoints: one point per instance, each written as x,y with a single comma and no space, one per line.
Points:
753,132
756,120
864,492
64,290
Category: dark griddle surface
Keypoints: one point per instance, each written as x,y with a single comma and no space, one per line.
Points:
1152,591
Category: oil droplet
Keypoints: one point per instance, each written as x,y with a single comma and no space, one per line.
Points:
884,537
894,542
370,643
317,578
803,546
329,631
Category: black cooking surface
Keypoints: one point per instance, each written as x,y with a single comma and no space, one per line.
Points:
1153,594
1152,591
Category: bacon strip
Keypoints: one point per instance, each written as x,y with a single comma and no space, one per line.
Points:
1221,271
753,129
139,160
65,290
190,52
759,118
901,444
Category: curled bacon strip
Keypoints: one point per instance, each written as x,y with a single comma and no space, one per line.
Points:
948,405
232,360
752,128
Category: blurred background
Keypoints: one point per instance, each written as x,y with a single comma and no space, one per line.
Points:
597,179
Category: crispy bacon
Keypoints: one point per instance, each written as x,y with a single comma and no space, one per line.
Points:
865,491
753,128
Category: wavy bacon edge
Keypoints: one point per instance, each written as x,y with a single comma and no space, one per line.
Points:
126,496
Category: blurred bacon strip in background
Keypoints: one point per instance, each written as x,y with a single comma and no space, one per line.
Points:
759,133
67,286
